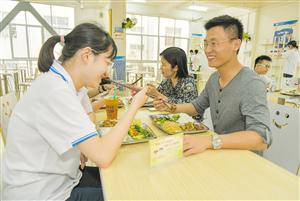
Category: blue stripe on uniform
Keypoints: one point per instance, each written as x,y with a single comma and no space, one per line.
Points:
58,73
76,142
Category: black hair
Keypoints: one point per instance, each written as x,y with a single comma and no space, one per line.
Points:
261,58
228,23
196,51
293,43
83,35
191,51
176,57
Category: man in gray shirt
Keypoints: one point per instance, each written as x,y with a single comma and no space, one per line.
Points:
235,94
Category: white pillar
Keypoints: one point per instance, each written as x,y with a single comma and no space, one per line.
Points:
118,15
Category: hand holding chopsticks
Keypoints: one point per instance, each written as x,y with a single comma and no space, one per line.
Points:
158,99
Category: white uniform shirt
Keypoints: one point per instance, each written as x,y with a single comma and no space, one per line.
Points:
41,159
85,100
291,60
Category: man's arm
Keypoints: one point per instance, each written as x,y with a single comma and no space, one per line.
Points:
247,140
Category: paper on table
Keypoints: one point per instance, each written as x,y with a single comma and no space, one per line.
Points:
166,149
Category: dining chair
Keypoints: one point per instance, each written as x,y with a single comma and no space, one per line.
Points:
7,103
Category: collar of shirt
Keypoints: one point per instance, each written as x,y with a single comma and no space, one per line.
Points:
60,71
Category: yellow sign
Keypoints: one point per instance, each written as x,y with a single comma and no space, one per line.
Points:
166,149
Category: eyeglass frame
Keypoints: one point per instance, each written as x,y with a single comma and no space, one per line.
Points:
206,44
264,65
110,65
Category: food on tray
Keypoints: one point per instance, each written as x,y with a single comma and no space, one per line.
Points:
164,118
177,123
137,132
109,123
171,127
191,126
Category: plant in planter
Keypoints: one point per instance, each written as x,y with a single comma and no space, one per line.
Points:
129,23
246,36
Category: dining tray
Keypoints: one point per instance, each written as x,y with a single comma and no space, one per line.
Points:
290,93
200,127
128,139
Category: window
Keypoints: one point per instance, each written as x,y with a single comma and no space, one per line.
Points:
24,36
149,37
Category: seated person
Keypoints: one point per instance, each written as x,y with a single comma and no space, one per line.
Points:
235,95
261,67
178,87
104,86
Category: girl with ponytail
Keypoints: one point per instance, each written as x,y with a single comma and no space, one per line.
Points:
50,132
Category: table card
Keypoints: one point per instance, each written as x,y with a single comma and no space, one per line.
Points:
166,149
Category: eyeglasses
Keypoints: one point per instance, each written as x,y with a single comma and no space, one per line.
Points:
215,44
110,63
265,65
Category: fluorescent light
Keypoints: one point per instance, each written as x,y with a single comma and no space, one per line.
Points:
137,1
197,8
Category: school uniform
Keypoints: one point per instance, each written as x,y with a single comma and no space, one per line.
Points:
291,58
41,159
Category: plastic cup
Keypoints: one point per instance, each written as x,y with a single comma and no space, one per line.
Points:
111,108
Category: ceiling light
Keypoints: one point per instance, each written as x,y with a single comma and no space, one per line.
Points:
81,4
137,1
197,8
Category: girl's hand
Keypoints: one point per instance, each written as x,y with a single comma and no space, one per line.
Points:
140,98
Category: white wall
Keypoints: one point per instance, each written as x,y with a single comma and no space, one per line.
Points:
247,18
100,16
94,15
267,16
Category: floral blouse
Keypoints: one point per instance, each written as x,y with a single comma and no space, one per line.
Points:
185,91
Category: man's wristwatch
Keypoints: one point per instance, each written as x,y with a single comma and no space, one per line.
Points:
216,141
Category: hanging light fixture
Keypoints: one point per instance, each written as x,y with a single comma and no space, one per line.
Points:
81,4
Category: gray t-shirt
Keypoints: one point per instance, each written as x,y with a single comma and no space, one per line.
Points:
240,106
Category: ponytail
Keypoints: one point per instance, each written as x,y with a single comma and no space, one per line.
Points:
83,35
46,55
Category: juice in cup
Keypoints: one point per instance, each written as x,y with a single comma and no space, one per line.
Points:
111,108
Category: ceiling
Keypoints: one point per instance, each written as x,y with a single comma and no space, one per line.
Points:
214,4
178,4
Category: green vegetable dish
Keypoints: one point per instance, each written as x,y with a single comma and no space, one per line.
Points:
163,119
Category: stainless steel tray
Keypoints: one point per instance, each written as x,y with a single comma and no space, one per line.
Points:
290,93
128,139
202,127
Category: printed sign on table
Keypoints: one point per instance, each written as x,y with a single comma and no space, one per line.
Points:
166,149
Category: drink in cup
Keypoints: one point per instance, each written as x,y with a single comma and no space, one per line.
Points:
111,107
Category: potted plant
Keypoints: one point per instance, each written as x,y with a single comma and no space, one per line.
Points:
129,23
246,36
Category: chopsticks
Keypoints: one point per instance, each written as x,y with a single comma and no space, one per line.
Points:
135,89
125,85
136,80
